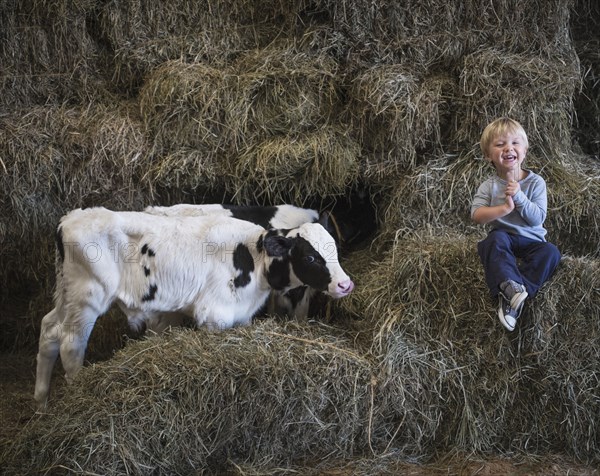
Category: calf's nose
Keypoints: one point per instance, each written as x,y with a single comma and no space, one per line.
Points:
345,287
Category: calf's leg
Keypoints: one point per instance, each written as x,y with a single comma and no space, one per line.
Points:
76,332
49,345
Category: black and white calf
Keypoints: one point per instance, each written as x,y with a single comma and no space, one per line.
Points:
218,270
293,302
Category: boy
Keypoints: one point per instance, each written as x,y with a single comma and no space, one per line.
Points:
515,255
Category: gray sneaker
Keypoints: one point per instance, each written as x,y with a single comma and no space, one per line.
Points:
514,293
507,314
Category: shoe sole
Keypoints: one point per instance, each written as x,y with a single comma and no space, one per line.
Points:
503,320
518,300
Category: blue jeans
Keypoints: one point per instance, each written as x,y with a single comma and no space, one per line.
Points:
505,256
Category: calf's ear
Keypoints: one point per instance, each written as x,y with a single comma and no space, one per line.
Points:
324,219
277,245
328,221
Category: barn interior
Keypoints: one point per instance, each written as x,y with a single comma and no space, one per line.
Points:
373,110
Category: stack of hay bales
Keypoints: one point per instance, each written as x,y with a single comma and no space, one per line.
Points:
143,38
300,102
261,127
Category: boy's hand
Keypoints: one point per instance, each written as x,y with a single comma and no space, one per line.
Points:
508,201
512,186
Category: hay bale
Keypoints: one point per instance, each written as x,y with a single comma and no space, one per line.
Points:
194,401
188,400
383,113
136,59
534,27
562,339
418,293
186,170
293,168
146,35
425,36
435,194
389,21
394,22
69,157
573,204
123,22
535,90
398,116
183,106
46,53
501,392
281,90
439,194
398,288
264,94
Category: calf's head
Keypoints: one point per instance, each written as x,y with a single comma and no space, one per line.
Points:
308,256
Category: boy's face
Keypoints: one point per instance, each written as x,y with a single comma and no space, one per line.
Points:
507,152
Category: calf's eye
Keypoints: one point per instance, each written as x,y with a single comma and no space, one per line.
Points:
309,259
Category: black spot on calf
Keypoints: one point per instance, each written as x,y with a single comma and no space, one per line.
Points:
149,296
278,274
242,261
146,271
295,295
147,249
258,215
309,265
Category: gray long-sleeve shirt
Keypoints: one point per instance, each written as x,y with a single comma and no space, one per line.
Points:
531,204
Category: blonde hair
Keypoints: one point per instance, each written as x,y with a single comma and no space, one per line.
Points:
498,127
